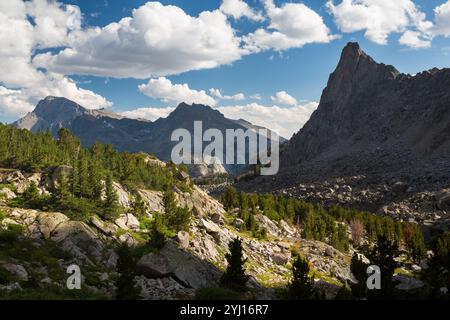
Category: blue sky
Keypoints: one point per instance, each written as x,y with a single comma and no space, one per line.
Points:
296,67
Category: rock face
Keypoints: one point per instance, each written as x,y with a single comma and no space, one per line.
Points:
383,133
129,134
375,118
181,265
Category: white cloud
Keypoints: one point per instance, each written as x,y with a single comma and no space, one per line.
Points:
380,18
415,39
25,27
218,94
238,9
291,26
163,89
149,113
157,40
282,97
284,121
256,96
442,17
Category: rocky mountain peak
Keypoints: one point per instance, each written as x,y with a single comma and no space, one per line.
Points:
370,113
58,108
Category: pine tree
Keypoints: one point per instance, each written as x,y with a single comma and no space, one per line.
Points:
414,242
359,270
175,218
139,207
301,286
85,186
157,236
95,180
111,200
438,273
383,255
62,194
125,284
31,196
234,277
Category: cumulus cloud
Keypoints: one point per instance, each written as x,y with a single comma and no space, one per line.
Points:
25,27
292,25
163,89
284,121
149,113
380,18
415,39
442,17
157,40
238,9
218,94
282,97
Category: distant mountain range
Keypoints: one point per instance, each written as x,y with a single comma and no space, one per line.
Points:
130,134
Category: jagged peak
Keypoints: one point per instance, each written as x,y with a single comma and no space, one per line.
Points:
355,60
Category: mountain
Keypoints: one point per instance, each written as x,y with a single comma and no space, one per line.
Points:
378,141
130,134
374,119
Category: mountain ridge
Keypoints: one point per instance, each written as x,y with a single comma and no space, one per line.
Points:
127,134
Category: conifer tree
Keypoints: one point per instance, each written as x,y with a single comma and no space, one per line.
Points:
95,180
383,255
62,194
111,200
125,284
359,270
234,277
31,196
139,207
301,286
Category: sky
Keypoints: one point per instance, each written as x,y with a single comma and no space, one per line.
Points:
266,61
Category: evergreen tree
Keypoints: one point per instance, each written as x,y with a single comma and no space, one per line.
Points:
175,218
95,180
62,194
383,255
157,236
414,242
125,284
234,277
359,270
438,272
32,196
139,207
111,200
85,186
301,286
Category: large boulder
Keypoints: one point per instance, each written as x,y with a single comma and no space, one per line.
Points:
183,239
49,221
209,226
443,199
153,200
7,194
65,171
106,227
122,195
181,265
128,221
17,271
270,226
79,239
